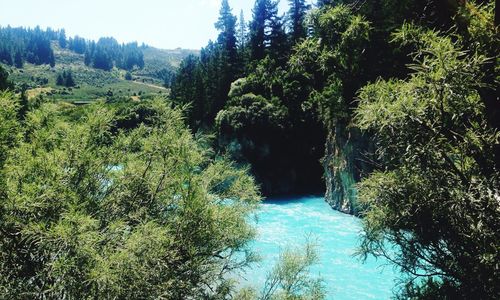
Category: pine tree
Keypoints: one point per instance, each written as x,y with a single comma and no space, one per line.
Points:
87,58
242,32
52,59
278,41
5,55
69,81
296,15
60,79
18,59
77,44
221,61
227,27
188,87
102,59
23,103
62,38
257,30
4,82
89,54
265,27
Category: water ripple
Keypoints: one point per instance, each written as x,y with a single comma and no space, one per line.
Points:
288,222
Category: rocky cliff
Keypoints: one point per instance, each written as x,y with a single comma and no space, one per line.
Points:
344,163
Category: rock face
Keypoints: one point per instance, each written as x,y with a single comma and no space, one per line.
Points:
344,164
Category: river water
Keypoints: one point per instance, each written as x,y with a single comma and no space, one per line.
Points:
287,222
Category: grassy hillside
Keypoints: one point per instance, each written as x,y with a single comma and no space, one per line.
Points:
159,63
95,84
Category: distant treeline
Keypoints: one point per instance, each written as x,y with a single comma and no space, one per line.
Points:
19,45
107,52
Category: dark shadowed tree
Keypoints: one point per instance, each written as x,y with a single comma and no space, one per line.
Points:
257,29
242,32
18,59
296,15
226,25
4,79
266,30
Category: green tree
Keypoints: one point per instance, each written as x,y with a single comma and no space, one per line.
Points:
278,47
257,30
296,15
325,72
89,54
226,25
18,59
131,56
204,82
290,278
189,88
436,197
92,212
226,58
52,59
68,80
62,38
23,103
102,59
60,79
242,32
10,129
4,79
265,19
77,44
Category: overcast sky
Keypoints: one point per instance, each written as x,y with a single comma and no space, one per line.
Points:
160,23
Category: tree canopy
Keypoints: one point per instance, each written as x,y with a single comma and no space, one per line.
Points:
88,210
436,198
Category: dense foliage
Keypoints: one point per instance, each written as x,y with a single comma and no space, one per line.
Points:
89,210
18,45
107,53
122,201
4,79
405,95
437,195
65,78
309,65
269,125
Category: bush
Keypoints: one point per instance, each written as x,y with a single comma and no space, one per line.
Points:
89,211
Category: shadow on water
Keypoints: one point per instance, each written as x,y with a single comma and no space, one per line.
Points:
292,199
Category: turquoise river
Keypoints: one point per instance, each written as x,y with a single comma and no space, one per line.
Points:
287,222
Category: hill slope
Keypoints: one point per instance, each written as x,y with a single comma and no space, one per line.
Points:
94,84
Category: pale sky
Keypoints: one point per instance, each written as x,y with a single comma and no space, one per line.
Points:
160,23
